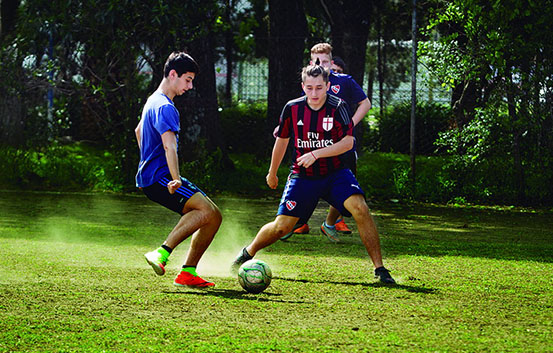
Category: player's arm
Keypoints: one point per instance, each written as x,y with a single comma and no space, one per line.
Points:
279,150
138,133
169,140
363,108
340,147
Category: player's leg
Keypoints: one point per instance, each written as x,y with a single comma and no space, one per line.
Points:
348,197
299,199
271,232
199,216
267,235
334,218
203,218
368,232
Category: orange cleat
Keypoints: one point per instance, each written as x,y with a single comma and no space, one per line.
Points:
304,229
342,227
186,279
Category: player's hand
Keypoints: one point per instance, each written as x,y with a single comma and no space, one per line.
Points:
306,160
272,180
173,185
275,131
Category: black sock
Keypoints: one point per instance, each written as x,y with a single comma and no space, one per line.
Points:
246,254
169,250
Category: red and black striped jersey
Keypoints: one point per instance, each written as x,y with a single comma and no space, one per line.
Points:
314,129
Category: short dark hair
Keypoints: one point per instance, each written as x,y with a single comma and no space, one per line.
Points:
339,62
314,71
181,62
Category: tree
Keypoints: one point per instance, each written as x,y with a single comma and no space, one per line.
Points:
496,53
350,26
287,34
101,54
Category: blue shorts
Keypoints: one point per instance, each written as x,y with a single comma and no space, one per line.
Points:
301,195
158,192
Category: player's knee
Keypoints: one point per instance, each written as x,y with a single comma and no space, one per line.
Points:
359,209
209,213
281,229
214,215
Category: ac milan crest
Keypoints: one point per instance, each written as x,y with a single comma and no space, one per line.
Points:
328,122
335,89
290,205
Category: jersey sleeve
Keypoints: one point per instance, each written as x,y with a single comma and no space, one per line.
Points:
284,122
357,93
343,118
167,119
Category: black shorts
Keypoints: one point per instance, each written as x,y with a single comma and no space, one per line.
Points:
159,193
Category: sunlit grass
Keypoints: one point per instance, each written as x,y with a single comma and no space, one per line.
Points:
72,278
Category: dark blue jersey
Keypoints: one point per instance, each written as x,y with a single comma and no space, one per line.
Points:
314,129
345,87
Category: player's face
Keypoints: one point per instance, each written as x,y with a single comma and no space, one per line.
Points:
315,90
184,82
324,60
336,68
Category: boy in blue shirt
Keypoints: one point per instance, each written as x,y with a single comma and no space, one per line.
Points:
159,178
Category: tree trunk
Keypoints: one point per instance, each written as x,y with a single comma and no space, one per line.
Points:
199,108
229,50
8,16
287,35
350,25
517,155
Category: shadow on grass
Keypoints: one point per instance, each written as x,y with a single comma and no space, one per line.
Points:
411,289
237,294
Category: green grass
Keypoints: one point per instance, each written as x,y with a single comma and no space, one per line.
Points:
72,278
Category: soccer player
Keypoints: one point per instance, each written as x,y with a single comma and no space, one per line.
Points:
345,87
338,65
159,177
322,130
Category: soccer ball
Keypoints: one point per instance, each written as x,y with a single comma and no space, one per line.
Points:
254,276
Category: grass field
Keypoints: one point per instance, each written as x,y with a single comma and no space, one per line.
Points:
73,278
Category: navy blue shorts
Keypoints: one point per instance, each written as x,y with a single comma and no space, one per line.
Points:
158,192
301,195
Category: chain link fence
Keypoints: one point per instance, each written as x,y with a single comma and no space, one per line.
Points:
250,83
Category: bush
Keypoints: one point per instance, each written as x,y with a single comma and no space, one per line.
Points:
394,127
245,128
75,167
482,168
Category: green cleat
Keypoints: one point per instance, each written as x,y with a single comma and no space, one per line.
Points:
157,261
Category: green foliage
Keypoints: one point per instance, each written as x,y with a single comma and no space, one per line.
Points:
393,134
74,167
388,175
500,50
481,167
245,127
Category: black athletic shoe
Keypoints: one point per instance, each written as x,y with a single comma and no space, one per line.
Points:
383,275
242,257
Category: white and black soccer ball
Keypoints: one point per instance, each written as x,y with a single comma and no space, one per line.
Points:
255,276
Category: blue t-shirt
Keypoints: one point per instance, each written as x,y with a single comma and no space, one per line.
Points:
158,116
345,87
